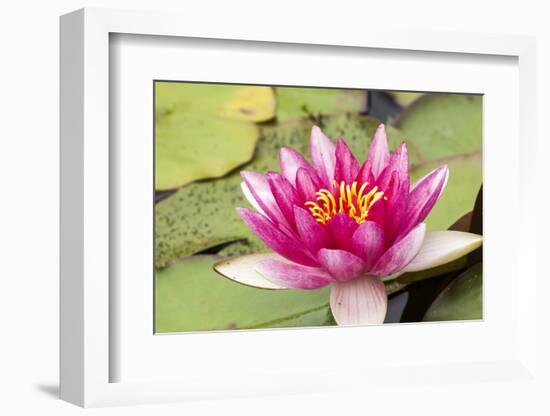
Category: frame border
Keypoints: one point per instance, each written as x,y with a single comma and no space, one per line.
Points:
84,177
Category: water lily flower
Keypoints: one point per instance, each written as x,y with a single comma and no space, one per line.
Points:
336,222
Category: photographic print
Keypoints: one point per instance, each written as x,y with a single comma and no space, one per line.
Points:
285,207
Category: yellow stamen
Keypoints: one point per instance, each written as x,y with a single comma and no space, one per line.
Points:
355,204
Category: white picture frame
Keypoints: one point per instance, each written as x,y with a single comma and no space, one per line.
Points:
90,320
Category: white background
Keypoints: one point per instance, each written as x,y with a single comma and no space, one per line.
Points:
29,208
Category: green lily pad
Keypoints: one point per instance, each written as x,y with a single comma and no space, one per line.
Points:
206,130
444,125
458,198
202,215
404,99
461,300
191,296
294,102
235,102
191,147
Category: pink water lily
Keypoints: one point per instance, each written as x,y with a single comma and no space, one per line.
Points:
336,222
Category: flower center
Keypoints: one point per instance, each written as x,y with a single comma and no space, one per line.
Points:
346,199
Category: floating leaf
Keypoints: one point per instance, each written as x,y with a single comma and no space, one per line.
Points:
205,130
192,147
250,104
191,296
461,300
236,102
465,176
444,125
404,99
293,102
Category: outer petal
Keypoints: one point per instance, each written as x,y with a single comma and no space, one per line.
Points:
341,227
307,184
341,264
251,200
378,157
401,253
323,155
423,196
441,247
258,185
347,167
276,239
368,242
362,301
313,235
290,161
285,195
242,269
293,275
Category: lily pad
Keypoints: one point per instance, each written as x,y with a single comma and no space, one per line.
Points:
235,102
444,125
404,99
191,296
461,300
202,215
458,198
294,102
206,130
191,147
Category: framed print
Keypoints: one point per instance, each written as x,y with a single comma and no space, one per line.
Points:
231,203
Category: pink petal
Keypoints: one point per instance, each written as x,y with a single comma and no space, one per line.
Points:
293,275
307,184
341,227
378,157
401,253
323,156
368,242
341,264
258,185
423,197
312,234
396,204
347,167
276,239
362,301
285,195
290,161
399,162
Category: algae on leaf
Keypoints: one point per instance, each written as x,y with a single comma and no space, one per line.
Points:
295,103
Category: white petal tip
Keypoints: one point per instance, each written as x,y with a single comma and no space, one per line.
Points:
442,247
242,269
